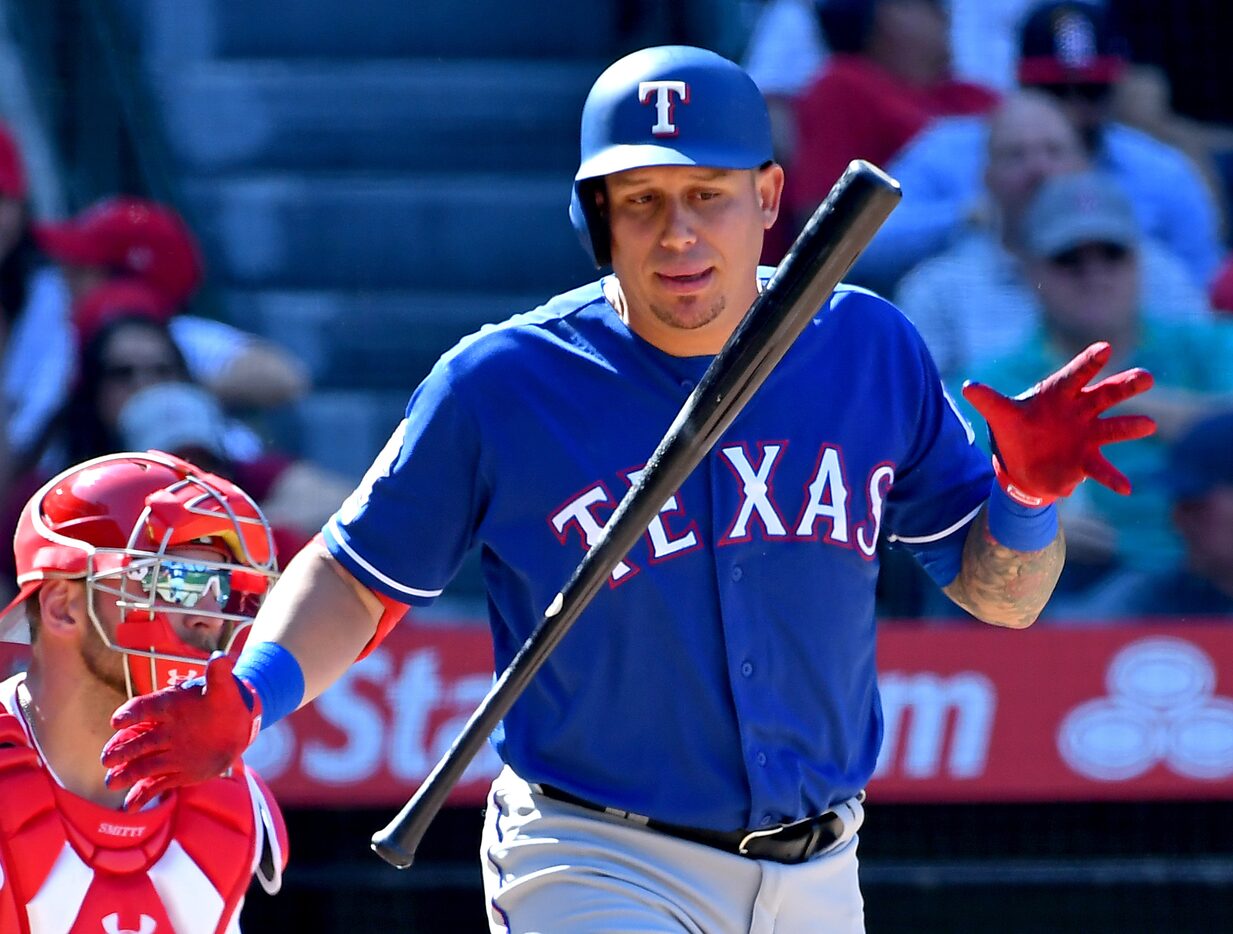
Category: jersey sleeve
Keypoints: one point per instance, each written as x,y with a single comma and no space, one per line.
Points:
945,477
404,531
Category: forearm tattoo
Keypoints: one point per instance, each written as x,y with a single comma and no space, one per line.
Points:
1002,586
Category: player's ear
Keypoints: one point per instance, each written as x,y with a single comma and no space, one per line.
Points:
768,180
62,608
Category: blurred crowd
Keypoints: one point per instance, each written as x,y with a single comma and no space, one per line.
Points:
1051,198
100,351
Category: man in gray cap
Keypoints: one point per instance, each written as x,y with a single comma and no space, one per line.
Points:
1082,243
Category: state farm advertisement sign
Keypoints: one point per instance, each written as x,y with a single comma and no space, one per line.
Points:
972,713
1132,711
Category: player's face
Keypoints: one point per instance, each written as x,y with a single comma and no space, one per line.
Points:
685,247
1090,292
204,633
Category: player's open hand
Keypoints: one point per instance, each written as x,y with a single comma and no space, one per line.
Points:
1048,440
181,735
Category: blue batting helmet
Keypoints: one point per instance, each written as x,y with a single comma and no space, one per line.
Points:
669,105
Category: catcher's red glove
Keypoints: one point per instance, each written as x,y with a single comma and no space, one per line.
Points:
181,735
1047,440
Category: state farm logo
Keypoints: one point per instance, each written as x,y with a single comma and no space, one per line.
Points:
1162,707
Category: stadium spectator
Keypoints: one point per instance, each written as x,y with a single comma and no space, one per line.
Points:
187,420
1199,481
134,238
1084,254
1067,49
36,349
887,78
974,300
787,48
131,347
129,350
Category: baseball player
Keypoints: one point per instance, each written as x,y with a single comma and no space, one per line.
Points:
692,755
132,569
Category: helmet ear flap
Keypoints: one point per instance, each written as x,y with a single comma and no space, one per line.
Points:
590,219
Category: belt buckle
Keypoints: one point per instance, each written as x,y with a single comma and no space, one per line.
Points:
743,847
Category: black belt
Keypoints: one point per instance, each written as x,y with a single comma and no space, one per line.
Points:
783,843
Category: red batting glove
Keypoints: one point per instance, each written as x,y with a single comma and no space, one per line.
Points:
181,735
1047,441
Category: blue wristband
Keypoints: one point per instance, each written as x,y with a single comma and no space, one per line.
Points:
275,675
1022,528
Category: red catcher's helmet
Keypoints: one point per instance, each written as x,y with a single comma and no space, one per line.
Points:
113,522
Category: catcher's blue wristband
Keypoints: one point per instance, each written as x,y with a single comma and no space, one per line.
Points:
275,675
1023,528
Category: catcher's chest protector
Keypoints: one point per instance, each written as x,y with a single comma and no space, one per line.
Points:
69,866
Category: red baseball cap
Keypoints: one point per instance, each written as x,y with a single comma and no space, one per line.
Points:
133,237
118,298
12,170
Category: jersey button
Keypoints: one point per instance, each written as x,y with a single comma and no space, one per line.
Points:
760,758
737,573
687,384
767,820
747,669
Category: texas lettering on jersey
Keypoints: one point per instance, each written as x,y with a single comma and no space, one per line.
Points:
818,512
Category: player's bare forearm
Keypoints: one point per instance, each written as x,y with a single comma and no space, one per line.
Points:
320,614
1002,586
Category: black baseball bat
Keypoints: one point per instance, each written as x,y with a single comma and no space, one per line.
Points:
839,229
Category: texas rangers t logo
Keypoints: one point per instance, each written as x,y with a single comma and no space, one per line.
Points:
664,104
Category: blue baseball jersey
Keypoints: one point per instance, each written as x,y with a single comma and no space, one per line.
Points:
725,676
